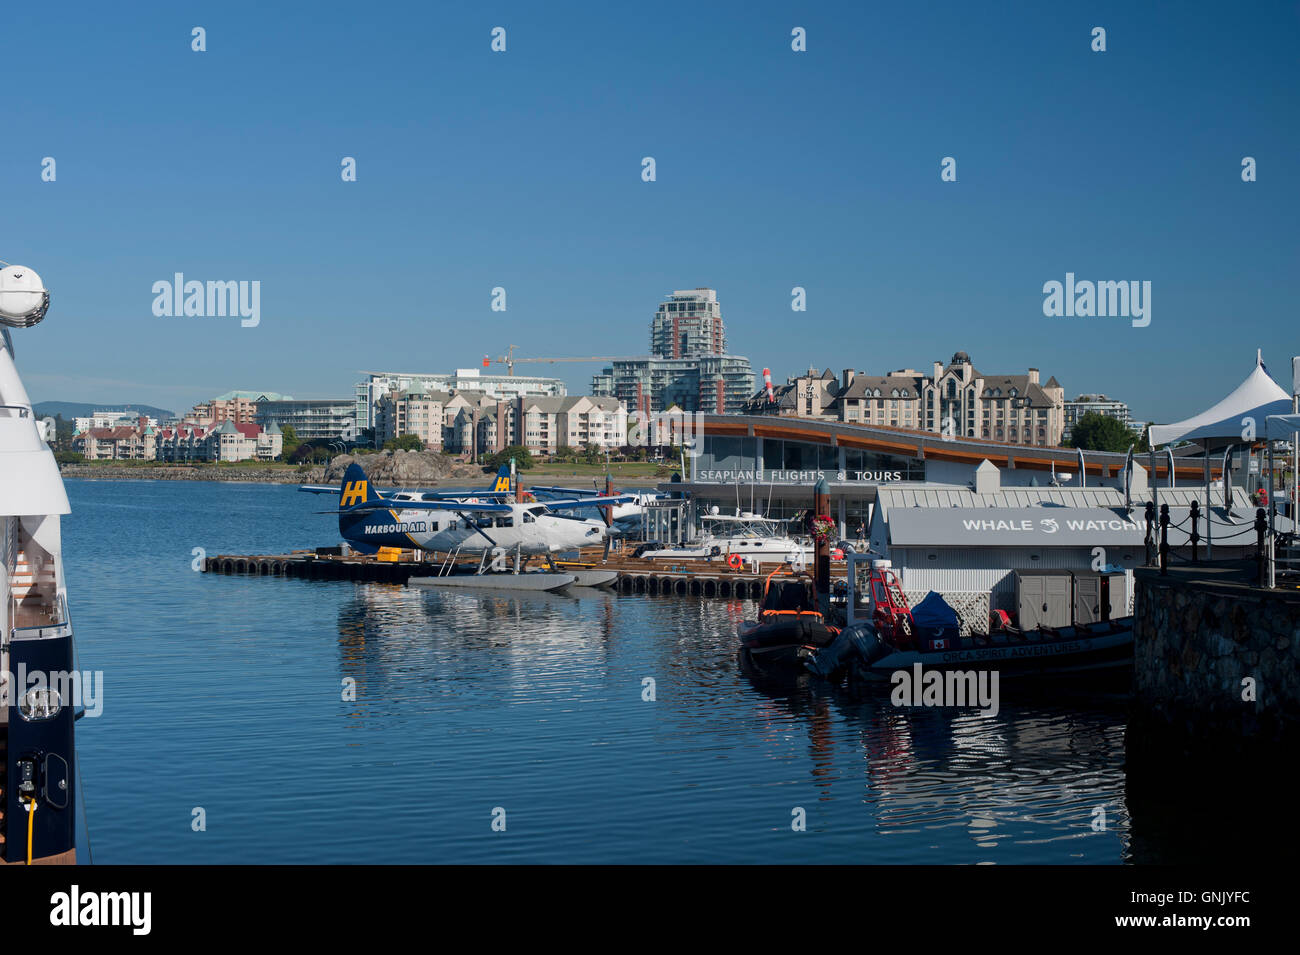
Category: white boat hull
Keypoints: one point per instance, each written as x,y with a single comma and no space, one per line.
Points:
536,582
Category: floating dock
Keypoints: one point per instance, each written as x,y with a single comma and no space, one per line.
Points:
684,578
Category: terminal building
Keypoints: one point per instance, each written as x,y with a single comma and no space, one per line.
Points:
968,518
775,461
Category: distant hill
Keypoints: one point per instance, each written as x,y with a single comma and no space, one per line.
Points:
77,409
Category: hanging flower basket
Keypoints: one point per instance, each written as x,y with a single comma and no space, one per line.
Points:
822,528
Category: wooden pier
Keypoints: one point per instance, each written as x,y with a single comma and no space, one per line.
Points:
680,578
312,565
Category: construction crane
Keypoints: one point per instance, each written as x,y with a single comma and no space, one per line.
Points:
509,359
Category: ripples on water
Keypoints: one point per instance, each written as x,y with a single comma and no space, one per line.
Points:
226,693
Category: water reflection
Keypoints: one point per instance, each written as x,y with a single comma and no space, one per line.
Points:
1030,775
890,783
465,701
404,644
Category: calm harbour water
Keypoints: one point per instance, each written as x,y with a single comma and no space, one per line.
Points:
225,693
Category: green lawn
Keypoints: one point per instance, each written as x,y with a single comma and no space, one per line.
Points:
646,471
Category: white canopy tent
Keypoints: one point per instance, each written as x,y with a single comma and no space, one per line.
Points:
1237,418
1278,426
1256,398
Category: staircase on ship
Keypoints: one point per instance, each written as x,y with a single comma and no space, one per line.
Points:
33,602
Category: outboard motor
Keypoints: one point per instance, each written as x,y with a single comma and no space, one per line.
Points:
859,642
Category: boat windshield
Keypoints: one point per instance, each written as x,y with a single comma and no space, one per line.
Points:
747,528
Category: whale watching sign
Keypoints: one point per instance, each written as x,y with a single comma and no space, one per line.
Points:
1014,527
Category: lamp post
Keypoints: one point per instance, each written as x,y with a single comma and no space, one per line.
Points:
1295,442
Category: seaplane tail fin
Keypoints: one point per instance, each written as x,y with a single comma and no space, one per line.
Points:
502,482
355,489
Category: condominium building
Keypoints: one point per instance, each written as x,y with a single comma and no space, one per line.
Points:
136,442
109,419
378,384
544,425
237,406
688,367
954,400
688,323
720,384
312,419
472,422
412,412
182,442
1095,404
242,442
226,442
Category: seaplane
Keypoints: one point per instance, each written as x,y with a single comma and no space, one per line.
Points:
626,516
491,521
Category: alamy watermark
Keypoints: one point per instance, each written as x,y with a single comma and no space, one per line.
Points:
209,299
42,694
1085,299
663,428
946,688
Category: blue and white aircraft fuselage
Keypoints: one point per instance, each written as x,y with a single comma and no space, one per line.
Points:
443,523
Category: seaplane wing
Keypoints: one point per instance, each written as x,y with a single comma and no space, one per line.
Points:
570,491
318,489
500,489
385,504
601,501
462,495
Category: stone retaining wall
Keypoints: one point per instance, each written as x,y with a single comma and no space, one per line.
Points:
1199,643
200,473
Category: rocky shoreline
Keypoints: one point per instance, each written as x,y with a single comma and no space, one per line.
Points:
386,468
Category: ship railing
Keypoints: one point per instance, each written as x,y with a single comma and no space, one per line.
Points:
60,626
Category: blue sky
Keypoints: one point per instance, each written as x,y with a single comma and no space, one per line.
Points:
775,169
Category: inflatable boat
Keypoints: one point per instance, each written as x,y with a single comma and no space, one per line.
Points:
893,636
1069,650
790,628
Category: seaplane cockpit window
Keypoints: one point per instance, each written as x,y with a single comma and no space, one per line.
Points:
537,509
528,518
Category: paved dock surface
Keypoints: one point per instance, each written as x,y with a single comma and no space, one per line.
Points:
700,578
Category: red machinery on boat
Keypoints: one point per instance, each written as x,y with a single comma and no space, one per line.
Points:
890,613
